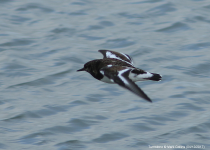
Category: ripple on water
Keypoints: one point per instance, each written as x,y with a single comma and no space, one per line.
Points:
147,1
57,33
178,26
106,23
139,143
200,70
5,1
130,16
95,97
17,42
189,106
110,137
196,46
78,13
36,82
140,52
117,43
207,7
22,116
79,3
3,146
75,125
38,138
47,80
130,110
201,18
71,144
153,12
142,127
91,38
47,111
154,122
34,6
18,70
95,27
161,10
161,119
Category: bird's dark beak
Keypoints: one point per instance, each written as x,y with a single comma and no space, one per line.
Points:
83,69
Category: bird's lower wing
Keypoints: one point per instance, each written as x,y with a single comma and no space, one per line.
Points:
123,80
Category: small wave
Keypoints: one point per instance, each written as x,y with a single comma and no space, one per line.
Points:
117,43
178,26
109,137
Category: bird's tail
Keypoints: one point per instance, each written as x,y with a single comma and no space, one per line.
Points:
155,77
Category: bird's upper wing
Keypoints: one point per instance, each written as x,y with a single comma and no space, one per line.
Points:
116,55
120,75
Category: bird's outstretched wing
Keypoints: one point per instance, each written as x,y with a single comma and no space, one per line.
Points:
120,75
116,55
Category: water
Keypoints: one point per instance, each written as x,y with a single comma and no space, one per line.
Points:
46,104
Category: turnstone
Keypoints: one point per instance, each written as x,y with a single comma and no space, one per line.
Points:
118,68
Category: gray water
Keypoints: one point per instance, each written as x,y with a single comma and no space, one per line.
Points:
46,105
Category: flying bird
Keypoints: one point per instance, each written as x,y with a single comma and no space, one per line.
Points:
118,68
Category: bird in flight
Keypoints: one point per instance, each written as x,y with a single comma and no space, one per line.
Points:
118,68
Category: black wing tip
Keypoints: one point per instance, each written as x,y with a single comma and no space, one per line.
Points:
149,100
146,98
102,50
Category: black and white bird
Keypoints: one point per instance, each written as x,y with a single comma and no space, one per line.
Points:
118,68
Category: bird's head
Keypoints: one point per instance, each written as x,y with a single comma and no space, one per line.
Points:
86,67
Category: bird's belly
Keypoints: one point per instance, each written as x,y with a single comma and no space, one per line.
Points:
107,80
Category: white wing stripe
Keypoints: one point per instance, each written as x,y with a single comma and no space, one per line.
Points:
127,57
121,77
111,55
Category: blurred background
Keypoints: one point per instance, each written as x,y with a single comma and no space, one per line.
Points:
46,105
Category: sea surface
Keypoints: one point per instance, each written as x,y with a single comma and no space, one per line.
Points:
45,104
